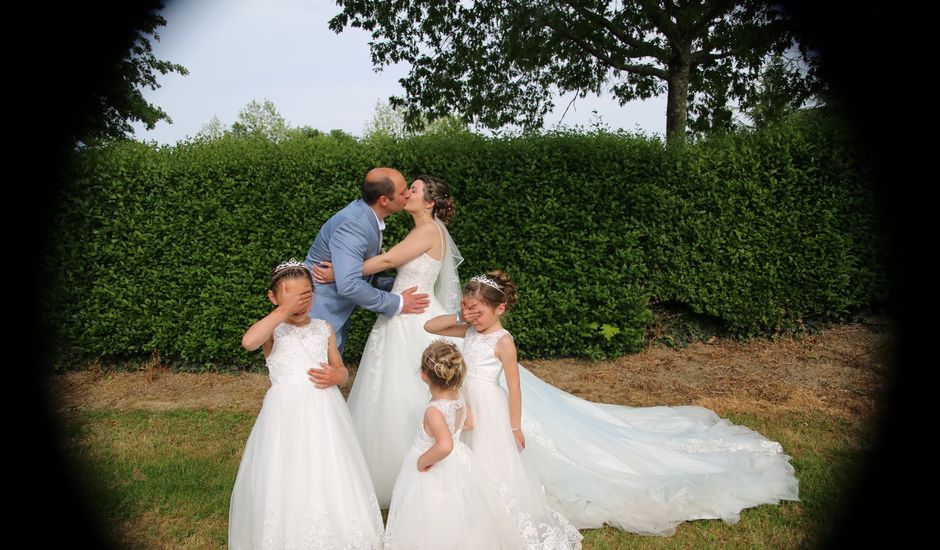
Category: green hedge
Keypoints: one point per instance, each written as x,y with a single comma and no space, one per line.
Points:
166,250
768,230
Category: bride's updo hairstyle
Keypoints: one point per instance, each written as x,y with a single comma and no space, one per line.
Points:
493,289
443,365
291,269
435,189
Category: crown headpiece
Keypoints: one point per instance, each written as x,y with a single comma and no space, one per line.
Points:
289,263
483,279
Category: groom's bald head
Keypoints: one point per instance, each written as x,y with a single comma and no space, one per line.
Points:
382,182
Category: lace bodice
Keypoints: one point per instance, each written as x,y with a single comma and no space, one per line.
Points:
454,411
421,272
482,363
297,349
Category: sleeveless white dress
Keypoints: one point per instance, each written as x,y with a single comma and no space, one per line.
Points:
494,446
452,506
302,482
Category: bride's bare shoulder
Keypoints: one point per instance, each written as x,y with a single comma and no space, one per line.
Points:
426,231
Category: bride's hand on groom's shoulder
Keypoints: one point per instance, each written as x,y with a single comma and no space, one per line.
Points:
323,272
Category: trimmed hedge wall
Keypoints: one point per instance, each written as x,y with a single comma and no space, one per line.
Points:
166,250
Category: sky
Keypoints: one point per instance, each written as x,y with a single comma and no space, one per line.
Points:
237,51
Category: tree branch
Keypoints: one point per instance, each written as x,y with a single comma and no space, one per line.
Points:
715,8
669,8
703,56
610,62
661,21
640,48
645,70
570,103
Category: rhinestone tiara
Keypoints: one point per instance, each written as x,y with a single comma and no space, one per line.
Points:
486,281
289,263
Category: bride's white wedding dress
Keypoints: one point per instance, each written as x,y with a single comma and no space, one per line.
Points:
642,469
388,398
646,469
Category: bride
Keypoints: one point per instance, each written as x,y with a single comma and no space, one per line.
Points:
388,398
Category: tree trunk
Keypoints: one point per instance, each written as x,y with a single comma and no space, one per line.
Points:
677,103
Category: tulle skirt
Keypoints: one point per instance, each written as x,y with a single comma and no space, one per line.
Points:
452,506
645,469
519,490
388,398
302,481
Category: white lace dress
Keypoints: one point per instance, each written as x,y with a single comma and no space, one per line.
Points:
452,506
302,482
388,398
491,440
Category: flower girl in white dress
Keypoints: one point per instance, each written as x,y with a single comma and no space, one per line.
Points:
497,438
302,482
442,499
642,469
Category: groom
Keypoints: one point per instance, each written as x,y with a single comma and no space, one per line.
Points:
351,236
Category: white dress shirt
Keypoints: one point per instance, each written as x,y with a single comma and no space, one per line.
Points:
401,299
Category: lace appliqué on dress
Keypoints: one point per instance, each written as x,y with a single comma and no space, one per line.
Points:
561,535
320,535
449,408
375,347
297,349
532,428
717,445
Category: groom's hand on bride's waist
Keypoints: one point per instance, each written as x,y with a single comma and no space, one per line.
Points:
414,303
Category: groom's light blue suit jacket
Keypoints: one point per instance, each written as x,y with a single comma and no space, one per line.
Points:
347,239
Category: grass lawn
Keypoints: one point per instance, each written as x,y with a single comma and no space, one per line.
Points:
162,479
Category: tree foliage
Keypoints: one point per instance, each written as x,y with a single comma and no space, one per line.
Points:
499,62
261,119
118,100
389,121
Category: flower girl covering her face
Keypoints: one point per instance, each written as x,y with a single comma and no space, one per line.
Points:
442,499
497,436
642,469
302,481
